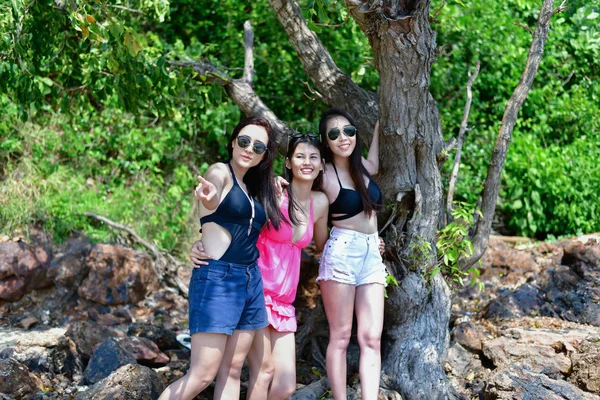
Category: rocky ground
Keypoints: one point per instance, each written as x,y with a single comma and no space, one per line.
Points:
89,321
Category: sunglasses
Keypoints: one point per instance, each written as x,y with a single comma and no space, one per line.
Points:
257,147
309,135
348,130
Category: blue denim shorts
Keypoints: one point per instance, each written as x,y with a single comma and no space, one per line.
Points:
224,297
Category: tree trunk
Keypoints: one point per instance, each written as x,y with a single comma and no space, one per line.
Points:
418,312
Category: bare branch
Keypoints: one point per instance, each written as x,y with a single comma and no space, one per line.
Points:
248,53
461,139
522,25
492,181
211,73
132,10
337,87
438,11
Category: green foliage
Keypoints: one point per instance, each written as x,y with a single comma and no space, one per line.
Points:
453,244
553,189
559,119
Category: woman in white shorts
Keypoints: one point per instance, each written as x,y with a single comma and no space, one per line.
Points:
352,275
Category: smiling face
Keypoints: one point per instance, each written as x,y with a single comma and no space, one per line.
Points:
305,163
257,137
343,145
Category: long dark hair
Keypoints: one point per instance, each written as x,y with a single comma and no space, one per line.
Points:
313,140
357,169
260,179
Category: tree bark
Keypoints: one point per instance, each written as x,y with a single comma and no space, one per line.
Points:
418,312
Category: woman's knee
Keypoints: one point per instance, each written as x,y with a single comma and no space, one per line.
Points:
200,378
369,339
266,372
282,389
340,337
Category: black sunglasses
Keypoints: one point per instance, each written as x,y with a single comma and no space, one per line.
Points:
257,147
310,135
348,130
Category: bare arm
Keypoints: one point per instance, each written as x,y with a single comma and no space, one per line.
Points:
372,161
320,233
210,187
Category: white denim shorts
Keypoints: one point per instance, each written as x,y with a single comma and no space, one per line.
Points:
353,258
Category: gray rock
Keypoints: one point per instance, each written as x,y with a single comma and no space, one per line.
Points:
514,382
108,357
131,382
164,339
467,335
537,358
87,335
515,303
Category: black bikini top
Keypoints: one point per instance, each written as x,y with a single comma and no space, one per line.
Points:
243,217
349,203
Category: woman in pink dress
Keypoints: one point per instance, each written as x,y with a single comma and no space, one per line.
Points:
272,357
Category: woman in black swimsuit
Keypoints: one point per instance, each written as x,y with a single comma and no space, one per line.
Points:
352,275
226,300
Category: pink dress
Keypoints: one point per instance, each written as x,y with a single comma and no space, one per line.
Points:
279,264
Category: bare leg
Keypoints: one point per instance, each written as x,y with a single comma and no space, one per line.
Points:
369,318
228,379
283,347
338,299
207,353
261,365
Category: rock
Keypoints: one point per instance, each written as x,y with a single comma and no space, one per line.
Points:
108,356
515,266
569,296
164,339
118,275
22,268
28,322
68,269
16,381
515,303
42,351
131,381
567,340
586,372
145,351
504,351
514,382
459,360
314,391
87,335
466,334
584,259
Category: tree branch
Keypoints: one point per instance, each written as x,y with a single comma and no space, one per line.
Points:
522,25
337,87
461,140
492,181
132,10
240,90
248,53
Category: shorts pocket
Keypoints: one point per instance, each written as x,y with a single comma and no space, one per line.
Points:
211,273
